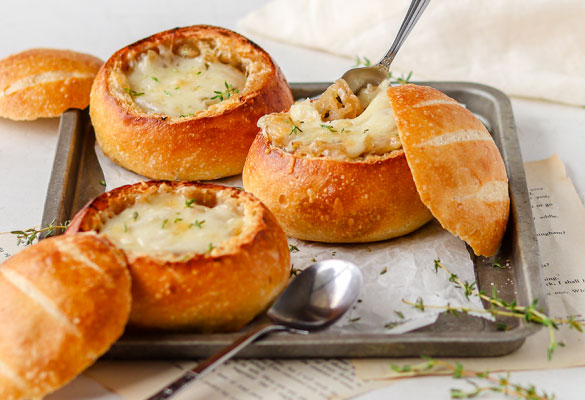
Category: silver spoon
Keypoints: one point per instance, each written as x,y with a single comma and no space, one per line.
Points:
315,299
357,78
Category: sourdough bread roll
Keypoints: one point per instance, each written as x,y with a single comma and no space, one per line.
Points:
202,257
183,104
42,83
64,302
457,168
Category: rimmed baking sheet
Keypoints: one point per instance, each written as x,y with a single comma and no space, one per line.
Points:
75,180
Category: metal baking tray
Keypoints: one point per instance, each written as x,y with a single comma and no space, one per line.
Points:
75,180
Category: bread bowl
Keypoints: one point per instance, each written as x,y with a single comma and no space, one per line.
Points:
183,104
41,83
347,168
64,301
325,191
202,257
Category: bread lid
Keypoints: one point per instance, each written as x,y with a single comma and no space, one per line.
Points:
65,301
457,168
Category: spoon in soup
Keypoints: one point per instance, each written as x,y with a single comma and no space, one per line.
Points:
315,299
358,78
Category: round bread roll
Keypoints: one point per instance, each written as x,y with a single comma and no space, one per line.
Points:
327,191
183,104
45,82
64,301
202,257
456,165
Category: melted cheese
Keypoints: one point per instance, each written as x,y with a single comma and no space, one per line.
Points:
167,222
373,132
179,86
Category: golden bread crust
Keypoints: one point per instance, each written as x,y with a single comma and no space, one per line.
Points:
40,83
219,291
456,165
328,200
208,145
67,299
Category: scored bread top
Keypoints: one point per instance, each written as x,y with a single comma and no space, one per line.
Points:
45,82
64,301
457,168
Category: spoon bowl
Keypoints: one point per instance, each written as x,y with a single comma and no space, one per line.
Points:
319,296
358,78
315,299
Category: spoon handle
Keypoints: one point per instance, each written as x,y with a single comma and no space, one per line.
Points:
414,12
217,359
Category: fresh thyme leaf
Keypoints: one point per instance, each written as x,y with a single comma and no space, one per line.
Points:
333,253
229,90
313,259
178,220
154,78
135,215
294,271
166,92
199,72
198,224
211,247
239,188
133,93
384,270
355,319
366,130
102,182
329,127
177,88
164,223
292,248
125,228
294,129
188,203
392,324
501,326
365,61
186,115
399,314
497,263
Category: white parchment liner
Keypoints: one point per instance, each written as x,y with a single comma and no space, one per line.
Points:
393,270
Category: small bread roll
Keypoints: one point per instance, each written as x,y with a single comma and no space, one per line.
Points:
64,301
456,166
42,83
183,104
202,257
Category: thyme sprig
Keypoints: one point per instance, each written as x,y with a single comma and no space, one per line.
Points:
365,61
500,307
401,80
496,383
29,235
229,90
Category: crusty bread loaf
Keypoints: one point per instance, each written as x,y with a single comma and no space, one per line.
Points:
63,301
45,82
456,165
221,289
329,200
207,144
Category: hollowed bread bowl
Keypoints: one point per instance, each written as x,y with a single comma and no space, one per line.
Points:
202,257
183,104
338,185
